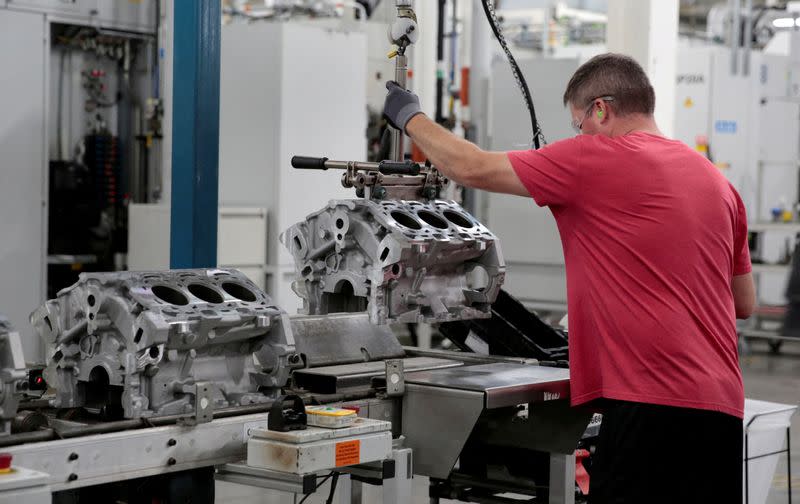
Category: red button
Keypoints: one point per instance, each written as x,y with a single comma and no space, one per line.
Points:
5,461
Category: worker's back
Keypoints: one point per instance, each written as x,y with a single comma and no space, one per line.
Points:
653,234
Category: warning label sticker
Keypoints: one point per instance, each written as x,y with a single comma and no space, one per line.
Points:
348,453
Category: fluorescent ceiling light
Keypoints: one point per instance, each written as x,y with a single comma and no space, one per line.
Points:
784,22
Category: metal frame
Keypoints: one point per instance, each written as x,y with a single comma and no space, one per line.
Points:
195,134
394,475
242,474
747,458
93,460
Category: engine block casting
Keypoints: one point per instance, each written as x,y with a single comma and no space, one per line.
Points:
180,342
401,261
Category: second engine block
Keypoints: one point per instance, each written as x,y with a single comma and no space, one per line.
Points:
401,261
177,342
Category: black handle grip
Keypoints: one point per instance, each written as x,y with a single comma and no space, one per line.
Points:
287,413
309,163
398,168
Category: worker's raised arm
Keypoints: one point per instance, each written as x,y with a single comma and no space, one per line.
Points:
456,158
463,161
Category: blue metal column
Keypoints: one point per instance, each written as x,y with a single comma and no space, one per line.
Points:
195,133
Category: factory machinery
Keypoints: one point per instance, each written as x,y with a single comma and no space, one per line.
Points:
158,383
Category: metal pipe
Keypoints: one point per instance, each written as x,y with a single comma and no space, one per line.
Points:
736,26
100,428
27,437
125,123
789,461
358,165
453,63
34,404
464,356
398,136
748,36
243,410
72,332
322,250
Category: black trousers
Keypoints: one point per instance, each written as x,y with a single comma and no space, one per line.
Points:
650,454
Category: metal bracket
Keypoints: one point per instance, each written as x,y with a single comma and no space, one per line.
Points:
203,403
242,474
374,473
395,378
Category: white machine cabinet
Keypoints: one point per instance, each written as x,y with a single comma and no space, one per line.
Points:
752,126
531,244
241,239
288,89
136,15
25,486
23,186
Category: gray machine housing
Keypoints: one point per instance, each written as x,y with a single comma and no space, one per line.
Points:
177,342
13,374
401,261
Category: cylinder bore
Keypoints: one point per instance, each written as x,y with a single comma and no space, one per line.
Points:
239,291
432,219
170,295
205,293
405,220
458,219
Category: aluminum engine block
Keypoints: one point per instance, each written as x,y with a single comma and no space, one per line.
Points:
13,374
401,261
165,343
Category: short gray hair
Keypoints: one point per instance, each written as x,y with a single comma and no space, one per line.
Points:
614,75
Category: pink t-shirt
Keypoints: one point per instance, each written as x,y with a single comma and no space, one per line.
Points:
653,234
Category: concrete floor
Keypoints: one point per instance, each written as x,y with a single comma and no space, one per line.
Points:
766,377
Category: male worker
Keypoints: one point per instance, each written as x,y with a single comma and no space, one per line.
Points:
658,269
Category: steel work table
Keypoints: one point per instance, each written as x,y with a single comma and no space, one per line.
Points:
503,383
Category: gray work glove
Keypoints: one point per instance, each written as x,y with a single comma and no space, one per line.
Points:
400,106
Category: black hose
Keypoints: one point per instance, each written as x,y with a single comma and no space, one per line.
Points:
62,156
439,115
334,481
488,9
